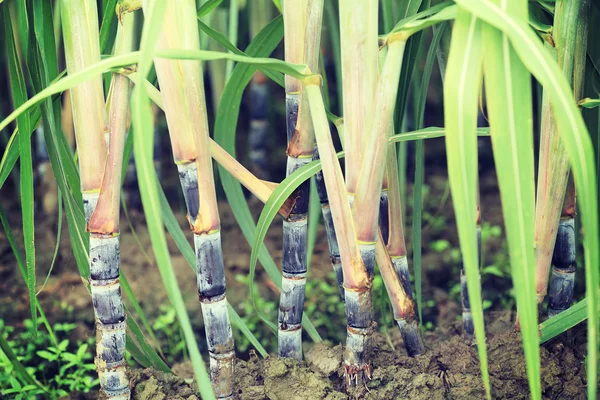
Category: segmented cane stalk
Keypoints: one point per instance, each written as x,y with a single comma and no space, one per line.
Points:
295,227
357,282
402,303
184,103
396,244
82,49
334,251
560,290
104,240
570,38
260,15
369,185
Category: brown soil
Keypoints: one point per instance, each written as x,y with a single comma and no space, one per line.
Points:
449,370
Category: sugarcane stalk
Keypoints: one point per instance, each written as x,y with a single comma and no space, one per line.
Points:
359,47
103,226
82,49
396,244
402,304
334,251
185,108
260,14
570,39
371,178
564,263
295,226
373,169
357,282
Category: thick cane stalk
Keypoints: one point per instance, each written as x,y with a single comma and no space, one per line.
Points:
369,189
375,157
260,15
560,294
570,38
82,49
104,240
358,42
184,101
357,282
295,226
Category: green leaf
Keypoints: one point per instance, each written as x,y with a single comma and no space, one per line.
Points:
461,95
564,321
426,18
142,124
207,7
108,29
577,142
16,364
19,94
421,99
589,103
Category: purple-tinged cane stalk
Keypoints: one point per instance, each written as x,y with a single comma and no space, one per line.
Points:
103,226
182,88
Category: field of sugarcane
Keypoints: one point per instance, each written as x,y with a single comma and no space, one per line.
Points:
299,199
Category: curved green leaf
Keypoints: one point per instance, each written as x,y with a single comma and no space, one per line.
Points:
143,133
461,94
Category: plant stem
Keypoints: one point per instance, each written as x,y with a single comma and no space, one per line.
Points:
82,49
185,109
260,15
104,239
402,303
396,245
299,153
357,282
359,47
570,27
560,294
373,170
334,251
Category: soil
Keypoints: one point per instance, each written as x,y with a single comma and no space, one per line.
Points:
449,369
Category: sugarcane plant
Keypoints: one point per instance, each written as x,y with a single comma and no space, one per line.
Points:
185,108
555,206
101,184
299,153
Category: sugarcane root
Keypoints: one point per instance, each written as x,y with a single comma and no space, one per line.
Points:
353,374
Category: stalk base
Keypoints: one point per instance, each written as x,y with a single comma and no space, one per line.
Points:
411,337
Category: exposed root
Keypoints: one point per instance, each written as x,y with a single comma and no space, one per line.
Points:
356,374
